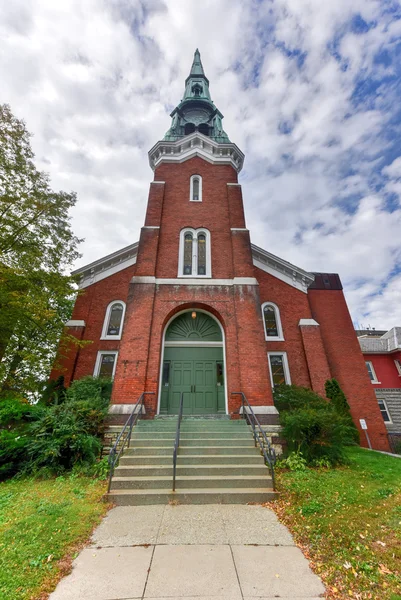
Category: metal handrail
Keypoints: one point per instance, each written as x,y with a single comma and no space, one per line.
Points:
269,453
177,438
125,436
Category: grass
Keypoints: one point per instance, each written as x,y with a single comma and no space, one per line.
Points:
348,523
43,523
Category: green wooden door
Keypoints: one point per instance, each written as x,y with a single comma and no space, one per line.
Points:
198,373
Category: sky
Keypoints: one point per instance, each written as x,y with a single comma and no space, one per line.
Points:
310,91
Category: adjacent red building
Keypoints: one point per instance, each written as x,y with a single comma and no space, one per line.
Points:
382,354
194,307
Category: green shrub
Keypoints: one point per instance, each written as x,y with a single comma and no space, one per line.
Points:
54,392
15,416
61,432
312,426
294,461
63,437
337,396
16,412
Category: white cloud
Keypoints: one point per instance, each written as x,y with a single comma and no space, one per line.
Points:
95,82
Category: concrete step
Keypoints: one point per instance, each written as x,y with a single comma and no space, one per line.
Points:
195,435
191,450
191,496
188,441
166,470
191,482
195,459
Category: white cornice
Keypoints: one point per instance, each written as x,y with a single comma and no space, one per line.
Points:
113,263
281,269
106,266
196,144
195,281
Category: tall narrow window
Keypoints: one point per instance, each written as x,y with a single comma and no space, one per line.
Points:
116,315
195,188
194,258
105,364
384,411
278,366
113,322
272,322
188,253
201,254
371,371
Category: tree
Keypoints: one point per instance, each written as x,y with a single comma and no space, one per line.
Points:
37,249
336,395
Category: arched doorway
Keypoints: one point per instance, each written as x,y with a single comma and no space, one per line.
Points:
193,363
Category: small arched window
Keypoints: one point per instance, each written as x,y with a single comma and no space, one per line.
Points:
272,322
189,128
195,188
203,128
113,322
194,253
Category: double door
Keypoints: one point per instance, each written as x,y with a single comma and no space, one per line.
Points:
198,373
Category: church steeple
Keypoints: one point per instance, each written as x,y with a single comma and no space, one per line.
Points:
196,111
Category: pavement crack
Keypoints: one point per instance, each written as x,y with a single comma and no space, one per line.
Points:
236,572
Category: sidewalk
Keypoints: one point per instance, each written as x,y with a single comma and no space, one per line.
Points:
190,552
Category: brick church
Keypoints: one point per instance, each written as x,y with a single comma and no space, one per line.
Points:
195,307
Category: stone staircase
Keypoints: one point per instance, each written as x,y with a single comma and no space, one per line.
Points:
217,463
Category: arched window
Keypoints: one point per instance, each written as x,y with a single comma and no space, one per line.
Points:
272,322
188,253
113,322
203,128
195,188
194,254
189,128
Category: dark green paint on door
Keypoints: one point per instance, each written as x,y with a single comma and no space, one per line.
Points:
199,373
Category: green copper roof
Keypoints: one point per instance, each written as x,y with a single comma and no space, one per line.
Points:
196,111
197,67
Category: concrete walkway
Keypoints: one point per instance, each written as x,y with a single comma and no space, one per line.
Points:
190,552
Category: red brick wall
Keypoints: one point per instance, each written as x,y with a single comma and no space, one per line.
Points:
91,306
347,363
385,369
141,348
319,371
178,212
293,305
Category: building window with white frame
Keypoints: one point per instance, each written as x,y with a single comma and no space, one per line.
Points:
397,363
272,322
384,411
371,372
194,253
113,322
106,362
278,367
195,188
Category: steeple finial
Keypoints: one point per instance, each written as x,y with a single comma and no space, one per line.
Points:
197,67
196,111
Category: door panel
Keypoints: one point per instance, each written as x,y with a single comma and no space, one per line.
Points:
200,379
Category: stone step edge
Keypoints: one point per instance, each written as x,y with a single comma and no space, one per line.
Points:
199,478
191,491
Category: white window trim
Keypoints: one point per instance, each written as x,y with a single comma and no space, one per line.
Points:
104,335
387,410
99,358
397,363
286,367
280,336
191,188
375,380
195,233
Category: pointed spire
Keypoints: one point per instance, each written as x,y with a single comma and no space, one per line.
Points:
197,67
